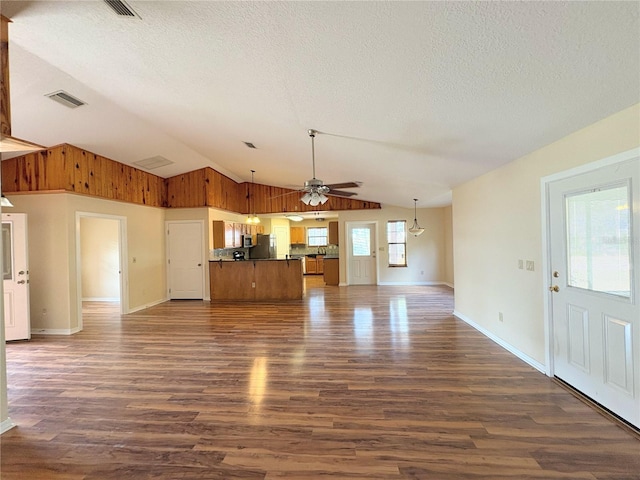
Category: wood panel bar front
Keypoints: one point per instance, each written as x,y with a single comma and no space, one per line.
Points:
256,280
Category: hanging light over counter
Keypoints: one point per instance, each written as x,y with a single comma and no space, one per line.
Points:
252,218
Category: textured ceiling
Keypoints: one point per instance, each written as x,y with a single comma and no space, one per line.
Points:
414,98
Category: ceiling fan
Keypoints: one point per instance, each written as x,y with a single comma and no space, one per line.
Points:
315,191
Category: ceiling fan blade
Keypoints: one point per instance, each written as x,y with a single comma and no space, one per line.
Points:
340,193
288,193
343,185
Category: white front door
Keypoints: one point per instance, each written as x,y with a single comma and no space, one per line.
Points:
185,260
15,271
361,253
594,227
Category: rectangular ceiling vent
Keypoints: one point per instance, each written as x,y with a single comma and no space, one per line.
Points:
121,8
66,99
153,162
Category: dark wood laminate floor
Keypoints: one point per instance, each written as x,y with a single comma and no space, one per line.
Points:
359,382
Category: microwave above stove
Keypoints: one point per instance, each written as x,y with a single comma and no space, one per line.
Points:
246,241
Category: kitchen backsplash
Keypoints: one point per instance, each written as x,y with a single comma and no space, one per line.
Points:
305,250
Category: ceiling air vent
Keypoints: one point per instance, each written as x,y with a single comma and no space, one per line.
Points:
121,8
65,99
153,162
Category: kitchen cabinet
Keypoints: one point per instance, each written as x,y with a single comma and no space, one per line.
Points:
298,235
254,280
228,234
310,265
333,233
314,265
223,234
331,271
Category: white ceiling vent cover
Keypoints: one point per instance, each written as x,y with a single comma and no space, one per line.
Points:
66,99
121,8
153,162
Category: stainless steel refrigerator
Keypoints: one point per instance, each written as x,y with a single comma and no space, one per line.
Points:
265,247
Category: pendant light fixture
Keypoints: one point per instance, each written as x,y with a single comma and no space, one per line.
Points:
252,218
415,229
6,202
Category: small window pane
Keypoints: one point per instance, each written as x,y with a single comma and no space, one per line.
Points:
598,233
361,242
7,264
396,254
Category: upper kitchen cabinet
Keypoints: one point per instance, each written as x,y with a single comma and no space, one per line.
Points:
298,235
224,235
333,233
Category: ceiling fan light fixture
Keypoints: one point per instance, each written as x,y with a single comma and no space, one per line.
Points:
415,229
306,198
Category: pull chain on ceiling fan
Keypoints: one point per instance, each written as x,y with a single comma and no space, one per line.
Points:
315,191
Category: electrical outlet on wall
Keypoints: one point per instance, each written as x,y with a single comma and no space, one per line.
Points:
521,264
530,265
500,317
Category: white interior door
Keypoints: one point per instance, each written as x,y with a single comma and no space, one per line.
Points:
362,254
185,260
15,270
282,241
594,238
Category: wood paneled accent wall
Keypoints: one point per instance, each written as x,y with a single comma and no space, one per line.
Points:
69,168
268,199
208,188
205,188
72,169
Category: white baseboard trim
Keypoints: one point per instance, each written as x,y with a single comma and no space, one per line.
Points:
6,425
450,285
508,347
54,331
148,305
100,299
411,284
343,284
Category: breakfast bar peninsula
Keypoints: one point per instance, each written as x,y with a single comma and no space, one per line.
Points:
250,280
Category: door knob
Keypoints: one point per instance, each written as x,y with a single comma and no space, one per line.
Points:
556,274
554,288
21,282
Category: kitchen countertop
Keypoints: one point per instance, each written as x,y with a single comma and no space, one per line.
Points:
253,260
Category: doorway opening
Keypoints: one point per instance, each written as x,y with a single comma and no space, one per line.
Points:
100,264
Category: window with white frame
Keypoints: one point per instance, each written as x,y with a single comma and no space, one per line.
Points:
317,236
397,242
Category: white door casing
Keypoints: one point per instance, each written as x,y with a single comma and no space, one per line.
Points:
185,259
15,269
361,253
594,239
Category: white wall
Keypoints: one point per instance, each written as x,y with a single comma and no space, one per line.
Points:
425,254
497,221
52,255
100,259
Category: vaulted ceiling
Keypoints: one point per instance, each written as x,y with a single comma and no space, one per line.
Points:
412,98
